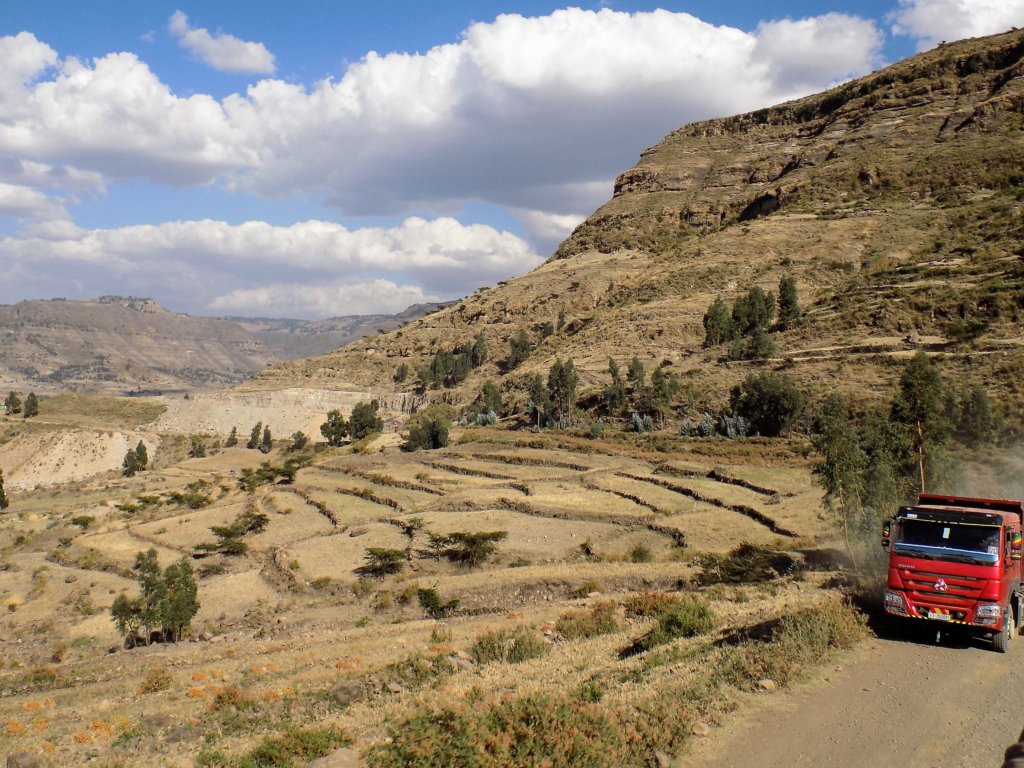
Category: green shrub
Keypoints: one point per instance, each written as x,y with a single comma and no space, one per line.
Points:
418,670
686,617
746,564
530,731
641,553
296,744
435,607
509,646
599,620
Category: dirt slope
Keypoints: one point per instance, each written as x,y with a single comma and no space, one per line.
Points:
900,702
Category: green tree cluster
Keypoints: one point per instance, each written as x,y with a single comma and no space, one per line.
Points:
12,403
450,368
335,429
562,383
652,399
135,460
229,537
519,349
745,326
428,429
364,420
769,401
166,604
31,407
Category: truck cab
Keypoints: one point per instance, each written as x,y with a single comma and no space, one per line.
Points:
957,560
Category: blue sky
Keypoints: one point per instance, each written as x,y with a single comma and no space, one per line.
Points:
312,159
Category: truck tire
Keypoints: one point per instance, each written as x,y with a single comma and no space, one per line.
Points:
1001,640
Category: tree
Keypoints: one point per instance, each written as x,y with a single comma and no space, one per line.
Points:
754,310
789,306
519,348
130,463
196,447
334,430
843,464
180,602
141,456
919,407
718,325
254,436
232,440
478,353
562,383
662,390
364,420
266,442
473,549
976,422
401,373
31,407
769,401
615,394
382,562
561,319
539,401
299,441
4,503
636,374
167,601
13,403
490,397
428,429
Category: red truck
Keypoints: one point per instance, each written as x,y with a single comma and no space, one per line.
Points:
956,560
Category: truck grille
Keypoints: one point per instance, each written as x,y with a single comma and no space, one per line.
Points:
959,589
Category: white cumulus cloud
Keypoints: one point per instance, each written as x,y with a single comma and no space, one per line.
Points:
317,300
224,53
932,21
194,261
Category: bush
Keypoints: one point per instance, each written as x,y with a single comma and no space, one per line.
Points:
472,549
156,679
769,401
641,554
510,646
534,730
302,744
649,604
599,620
428,429
746,564
381,562
436,608
686,617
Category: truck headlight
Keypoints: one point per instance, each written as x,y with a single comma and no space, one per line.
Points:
894,604
988,614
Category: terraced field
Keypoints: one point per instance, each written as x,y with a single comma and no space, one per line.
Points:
295,617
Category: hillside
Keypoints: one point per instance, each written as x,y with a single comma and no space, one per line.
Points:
895,200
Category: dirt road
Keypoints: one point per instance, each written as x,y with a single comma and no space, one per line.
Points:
898,701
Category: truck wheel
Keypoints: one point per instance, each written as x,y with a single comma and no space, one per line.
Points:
1001,640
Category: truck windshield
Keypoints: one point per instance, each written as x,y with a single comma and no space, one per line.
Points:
958,542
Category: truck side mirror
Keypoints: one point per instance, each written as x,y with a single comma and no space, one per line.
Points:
886,533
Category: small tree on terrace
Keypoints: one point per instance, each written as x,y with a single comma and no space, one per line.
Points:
478,353
843,465
789,306
428,429
334,430
13,403
919,407
519,348
167,601
635,374
31,406
540,401
364,420
232,440
254,436
769,401
266,442
718,325
615,394
142,456
196,447
473,549
753,310
562,382
4,503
